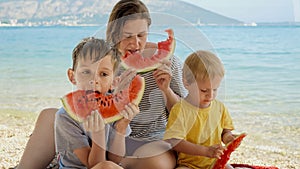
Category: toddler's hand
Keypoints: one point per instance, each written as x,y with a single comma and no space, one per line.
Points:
215,151
94,122
228,137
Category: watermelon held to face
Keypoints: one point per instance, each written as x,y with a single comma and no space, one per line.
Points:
220,163
165,50
79,104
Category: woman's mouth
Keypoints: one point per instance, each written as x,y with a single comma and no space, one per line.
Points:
133,51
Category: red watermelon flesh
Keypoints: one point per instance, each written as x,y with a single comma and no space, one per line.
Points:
165,50
79,104
220,163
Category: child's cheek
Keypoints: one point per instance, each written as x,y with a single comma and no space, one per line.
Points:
84,85
105,87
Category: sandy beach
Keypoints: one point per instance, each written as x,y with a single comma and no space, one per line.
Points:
16,127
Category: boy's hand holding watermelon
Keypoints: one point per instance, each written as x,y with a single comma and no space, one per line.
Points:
94,123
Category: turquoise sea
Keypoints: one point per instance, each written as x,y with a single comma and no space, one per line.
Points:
262,64
261,87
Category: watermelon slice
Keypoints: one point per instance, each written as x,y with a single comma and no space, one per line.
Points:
79,104
165,50
220,163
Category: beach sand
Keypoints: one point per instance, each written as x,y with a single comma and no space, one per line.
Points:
16,127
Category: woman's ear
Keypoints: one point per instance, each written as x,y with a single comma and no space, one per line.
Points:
71,76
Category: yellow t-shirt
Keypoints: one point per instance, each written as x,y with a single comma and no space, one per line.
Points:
198,126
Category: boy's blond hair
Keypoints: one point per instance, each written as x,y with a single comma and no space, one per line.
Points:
202,65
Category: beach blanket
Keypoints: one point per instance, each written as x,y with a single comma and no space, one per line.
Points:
253,166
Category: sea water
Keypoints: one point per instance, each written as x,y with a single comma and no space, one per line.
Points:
261,88
262,64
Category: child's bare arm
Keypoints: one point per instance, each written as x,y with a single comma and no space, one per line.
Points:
90,156
117,144
186,147
163,76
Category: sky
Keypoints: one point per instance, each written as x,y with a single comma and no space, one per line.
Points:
254,10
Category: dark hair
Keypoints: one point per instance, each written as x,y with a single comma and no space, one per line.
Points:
93,49
124,10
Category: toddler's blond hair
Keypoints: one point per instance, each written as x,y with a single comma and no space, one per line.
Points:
202,65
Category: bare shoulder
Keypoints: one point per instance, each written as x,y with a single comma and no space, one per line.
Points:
49,111
47,114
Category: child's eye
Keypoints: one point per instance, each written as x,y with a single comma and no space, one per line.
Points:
103,74
203,90
86,72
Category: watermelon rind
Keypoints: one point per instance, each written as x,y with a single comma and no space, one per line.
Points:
68,109
156,65
140,94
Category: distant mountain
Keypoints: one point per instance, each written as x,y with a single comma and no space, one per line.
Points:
80,12
190,12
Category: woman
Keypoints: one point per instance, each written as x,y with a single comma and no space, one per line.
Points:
127,30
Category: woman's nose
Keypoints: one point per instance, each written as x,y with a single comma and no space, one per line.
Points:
135,40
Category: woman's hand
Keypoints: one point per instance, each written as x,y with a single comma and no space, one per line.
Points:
163,75
123,81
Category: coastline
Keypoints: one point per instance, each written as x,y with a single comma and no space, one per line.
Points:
71,24
16,127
